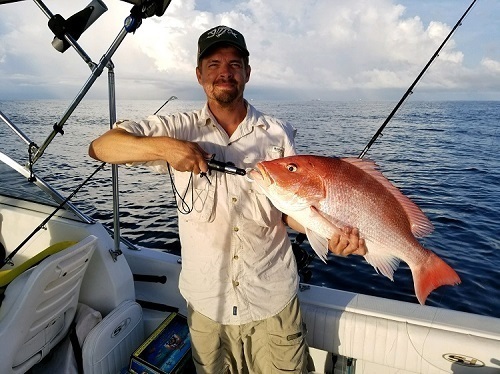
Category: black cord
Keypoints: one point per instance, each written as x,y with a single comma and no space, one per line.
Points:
186,209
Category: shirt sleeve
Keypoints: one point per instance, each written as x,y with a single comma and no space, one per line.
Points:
151,126
290,131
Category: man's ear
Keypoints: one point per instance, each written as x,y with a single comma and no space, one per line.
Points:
249,69
198,74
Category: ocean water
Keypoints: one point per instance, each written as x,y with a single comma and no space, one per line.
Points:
442,155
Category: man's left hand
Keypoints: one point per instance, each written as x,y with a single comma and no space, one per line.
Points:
347,243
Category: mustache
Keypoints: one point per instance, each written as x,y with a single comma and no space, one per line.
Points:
225,80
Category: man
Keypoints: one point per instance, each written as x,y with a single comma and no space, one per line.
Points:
238,275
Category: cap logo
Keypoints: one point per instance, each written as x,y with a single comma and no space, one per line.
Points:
219,31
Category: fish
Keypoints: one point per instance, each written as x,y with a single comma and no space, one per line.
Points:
325,194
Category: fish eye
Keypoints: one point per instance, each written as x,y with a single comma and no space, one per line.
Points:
292,167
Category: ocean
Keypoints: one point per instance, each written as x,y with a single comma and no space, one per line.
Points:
442,155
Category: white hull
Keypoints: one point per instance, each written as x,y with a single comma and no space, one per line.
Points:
379,335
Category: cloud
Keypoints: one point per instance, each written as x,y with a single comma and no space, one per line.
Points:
322,47
491,65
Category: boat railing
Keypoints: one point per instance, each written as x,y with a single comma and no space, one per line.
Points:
45,187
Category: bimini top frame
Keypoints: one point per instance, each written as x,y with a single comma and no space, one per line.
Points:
66,34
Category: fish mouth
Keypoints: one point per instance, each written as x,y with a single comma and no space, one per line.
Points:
260,175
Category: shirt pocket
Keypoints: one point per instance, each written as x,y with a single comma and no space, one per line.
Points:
257,207
274,151
196,195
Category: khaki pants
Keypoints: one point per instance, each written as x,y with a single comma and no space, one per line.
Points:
273,345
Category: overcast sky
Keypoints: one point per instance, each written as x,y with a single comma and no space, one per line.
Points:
317,49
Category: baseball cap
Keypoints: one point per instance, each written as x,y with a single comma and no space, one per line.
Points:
221,34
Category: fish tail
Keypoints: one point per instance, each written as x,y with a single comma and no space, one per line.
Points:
431,274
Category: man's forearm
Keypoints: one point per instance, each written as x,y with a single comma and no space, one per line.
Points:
117,146
293,224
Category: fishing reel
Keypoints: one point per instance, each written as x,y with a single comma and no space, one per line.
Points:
302,257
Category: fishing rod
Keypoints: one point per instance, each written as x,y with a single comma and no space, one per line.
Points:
165,103
8,259
410,89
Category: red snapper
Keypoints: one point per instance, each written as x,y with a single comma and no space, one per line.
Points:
325,193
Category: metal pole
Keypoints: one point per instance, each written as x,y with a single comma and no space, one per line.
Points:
114,168
18,131
95,74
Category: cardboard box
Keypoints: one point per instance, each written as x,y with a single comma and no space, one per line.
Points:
166,351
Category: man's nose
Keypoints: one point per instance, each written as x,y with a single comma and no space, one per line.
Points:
226,70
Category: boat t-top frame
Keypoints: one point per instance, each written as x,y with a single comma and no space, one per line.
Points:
67,32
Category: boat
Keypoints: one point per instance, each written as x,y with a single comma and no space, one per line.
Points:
65,274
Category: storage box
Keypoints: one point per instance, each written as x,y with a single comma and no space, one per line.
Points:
166,351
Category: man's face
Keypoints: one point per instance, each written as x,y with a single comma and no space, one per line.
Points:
223,75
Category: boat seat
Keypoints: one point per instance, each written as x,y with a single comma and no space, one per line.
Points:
8,275
39,306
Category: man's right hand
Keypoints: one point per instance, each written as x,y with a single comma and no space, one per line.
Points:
187,156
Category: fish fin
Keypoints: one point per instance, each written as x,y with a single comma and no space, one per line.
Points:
419,224
318,243
384,264
431,274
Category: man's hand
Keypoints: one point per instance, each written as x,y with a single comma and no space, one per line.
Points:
187,156
347,243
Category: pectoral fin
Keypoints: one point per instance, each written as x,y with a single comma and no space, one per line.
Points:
318,243
319,231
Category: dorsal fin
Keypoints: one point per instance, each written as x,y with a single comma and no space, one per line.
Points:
419,223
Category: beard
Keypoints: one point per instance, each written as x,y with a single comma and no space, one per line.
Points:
226,96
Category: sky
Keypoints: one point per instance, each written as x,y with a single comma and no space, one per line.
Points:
299,50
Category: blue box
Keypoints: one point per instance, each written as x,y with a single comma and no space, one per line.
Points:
166,351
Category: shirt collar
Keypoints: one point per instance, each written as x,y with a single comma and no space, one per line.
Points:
253,118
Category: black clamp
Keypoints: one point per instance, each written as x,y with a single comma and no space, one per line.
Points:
58,128
145,9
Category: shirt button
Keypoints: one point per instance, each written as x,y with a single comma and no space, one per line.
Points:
235,257
236,229
236,283
234,199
